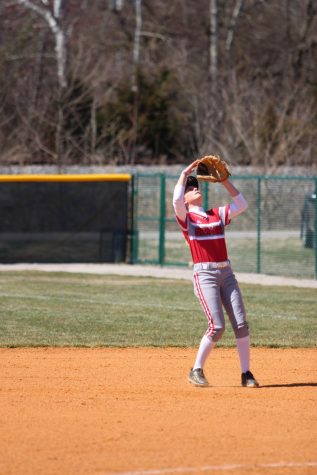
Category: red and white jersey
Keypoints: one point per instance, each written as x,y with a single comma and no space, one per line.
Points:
206,234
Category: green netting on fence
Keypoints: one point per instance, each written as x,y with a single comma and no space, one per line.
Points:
276,235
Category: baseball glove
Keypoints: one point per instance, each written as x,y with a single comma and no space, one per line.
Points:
212,168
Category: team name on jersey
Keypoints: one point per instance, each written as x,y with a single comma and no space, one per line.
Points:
205,235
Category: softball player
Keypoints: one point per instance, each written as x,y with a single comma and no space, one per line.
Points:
214,282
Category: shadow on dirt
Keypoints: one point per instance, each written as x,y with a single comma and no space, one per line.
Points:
289,385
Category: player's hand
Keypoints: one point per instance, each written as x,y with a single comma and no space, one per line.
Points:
190,168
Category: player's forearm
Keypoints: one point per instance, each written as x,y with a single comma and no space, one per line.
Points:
182,179
178,200
232,190
186,172
240,204
178,196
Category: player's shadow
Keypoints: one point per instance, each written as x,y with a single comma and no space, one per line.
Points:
289,385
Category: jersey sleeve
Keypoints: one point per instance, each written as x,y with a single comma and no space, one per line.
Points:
182,223
183,226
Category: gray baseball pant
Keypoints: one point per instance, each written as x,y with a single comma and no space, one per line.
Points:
215,289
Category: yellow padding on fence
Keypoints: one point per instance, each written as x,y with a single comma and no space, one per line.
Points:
60,178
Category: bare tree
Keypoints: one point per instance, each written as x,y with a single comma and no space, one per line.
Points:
233,24
116,5
235,72
213,44
267,130
306,40
53,18
135,85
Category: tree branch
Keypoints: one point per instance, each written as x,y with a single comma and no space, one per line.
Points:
233,24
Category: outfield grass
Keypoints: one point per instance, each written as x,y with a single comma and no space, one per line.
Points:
60,309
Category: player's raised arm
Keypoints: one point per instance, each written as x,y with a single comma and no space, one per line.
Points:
240,203
178,196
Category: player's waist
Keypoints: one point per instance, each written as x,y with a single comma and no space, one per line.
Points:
211,265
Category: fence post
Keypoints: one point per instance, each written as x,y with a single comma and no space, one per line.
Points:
205,194
258,225
315,233
135,231
162,220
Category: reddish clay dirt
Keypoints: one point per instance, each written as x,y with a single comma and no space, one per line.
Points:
105,411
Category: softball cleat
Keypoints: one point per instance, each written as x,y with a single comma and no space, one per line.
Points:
197,378
248,380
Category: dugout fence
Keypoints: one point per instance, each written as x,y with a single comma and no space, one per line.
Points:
277,235
65,218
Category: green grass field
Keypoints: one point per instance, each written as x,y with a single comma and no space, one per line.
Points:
61,309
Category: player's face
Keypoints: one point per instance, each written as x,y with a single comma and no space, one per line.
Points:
193,196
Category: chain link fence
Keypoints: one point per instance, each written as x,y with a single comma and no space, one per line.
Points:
276,235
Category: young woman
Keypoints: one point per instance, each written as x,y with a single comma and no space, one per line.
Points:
214,282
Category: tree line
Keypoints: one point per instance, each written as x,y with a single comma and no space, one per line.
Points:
149,81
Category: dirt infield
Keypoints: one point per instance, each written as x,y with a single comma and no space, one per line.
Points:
131,411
